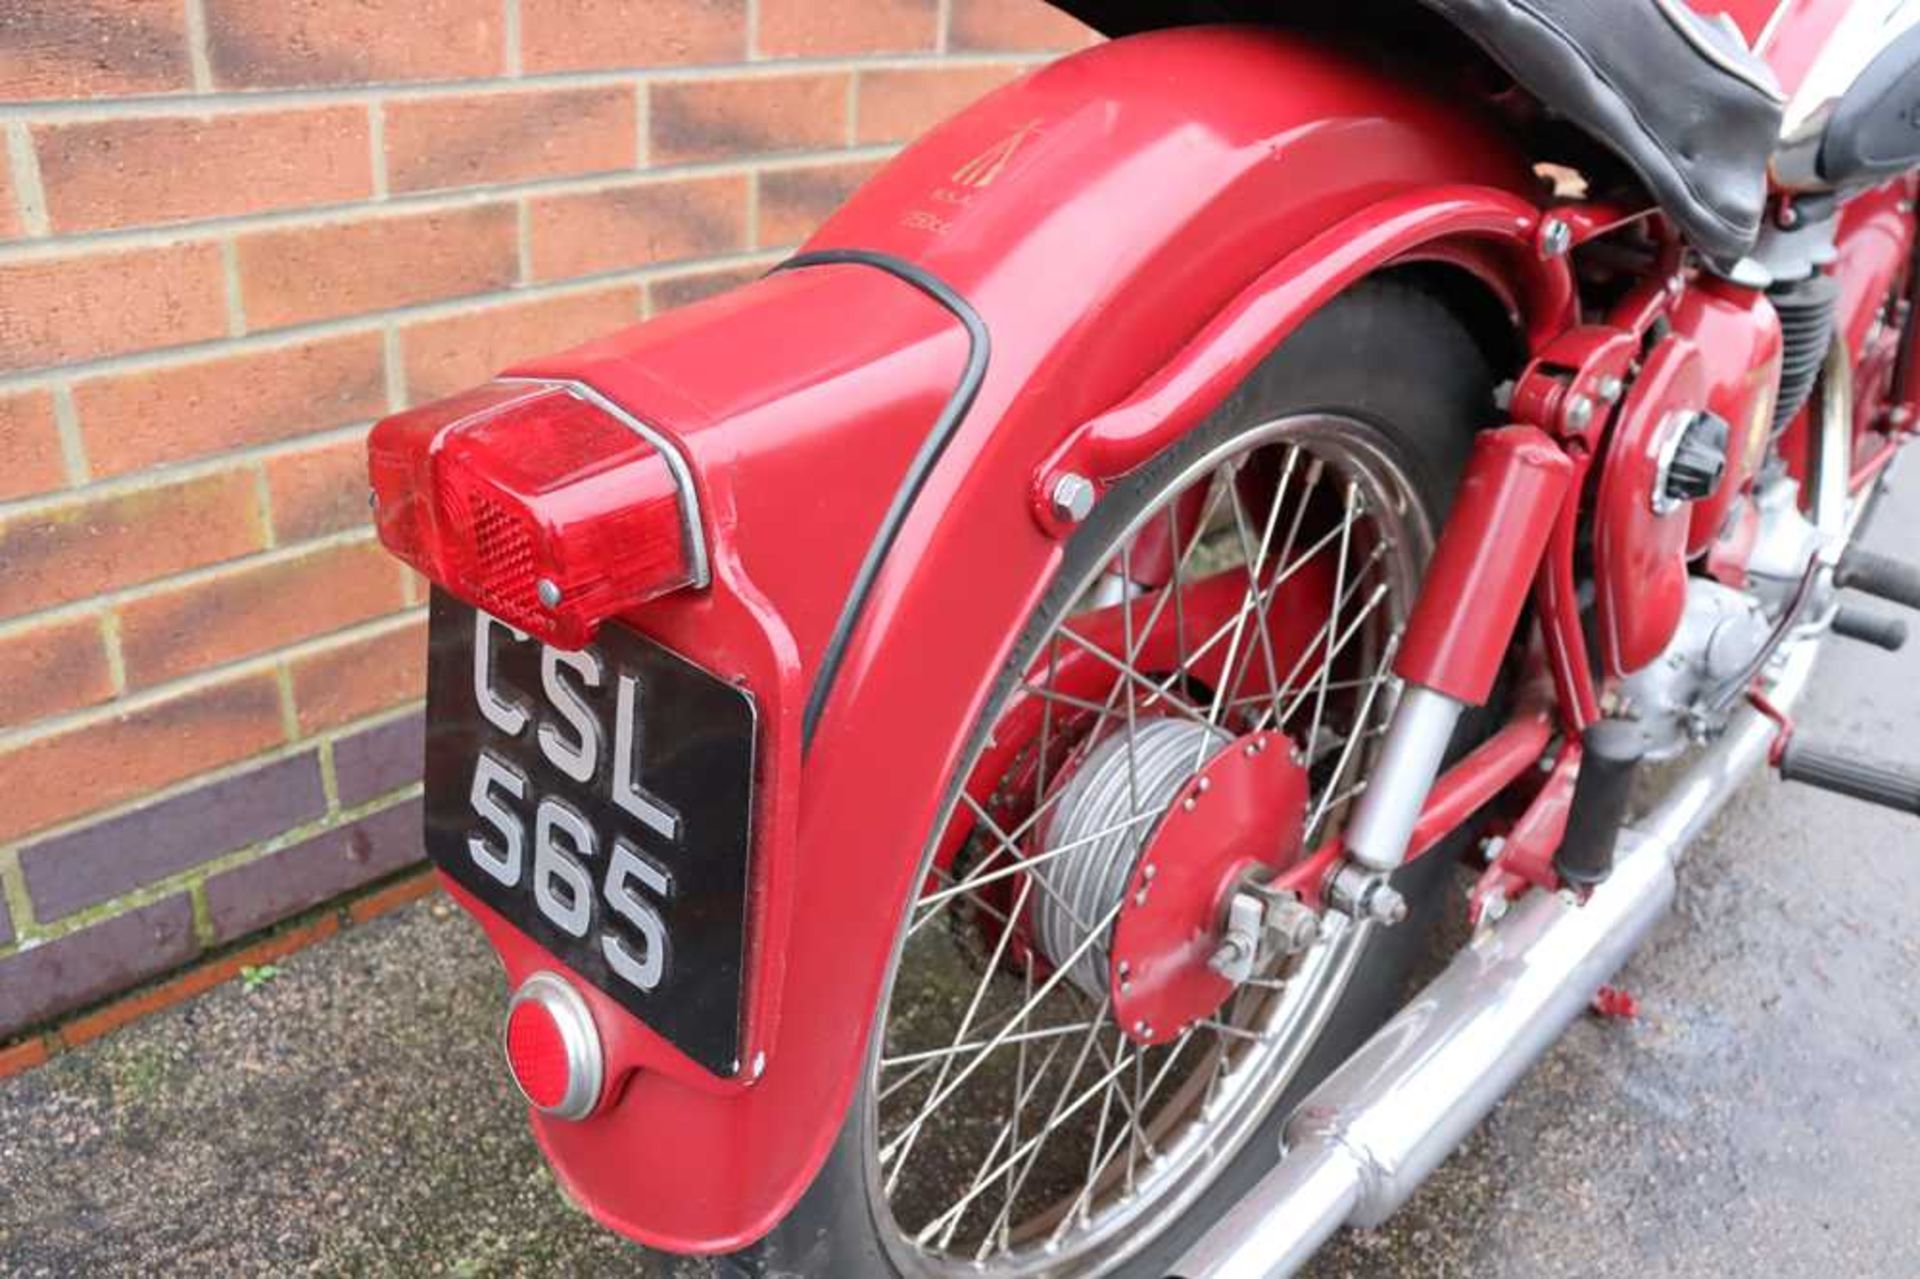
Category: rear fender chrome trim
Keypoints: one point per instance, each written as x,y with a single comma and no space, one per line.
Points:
693,527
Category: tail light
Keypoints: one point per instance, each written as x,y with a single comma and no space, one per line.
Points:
553,1049
541,502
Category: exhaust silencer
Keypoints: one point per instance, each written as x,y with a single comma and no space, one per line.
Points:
1365,1139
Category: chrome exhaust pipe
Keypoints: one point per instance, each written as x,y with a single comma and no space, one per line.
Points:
1365,1139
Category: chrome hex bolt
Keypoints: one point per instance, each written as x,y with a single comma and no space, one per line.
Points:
1072,498
1292,925
1386,906
1556,237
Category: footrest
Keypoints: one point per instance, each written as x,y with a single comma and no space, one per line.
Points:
1869,627
1895,581
1849,775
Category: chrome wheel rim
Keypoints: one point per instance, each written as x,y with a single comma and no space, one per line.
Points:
1012,1128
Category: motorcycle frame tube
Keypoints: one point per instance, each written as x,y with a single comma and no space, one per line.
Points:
1425,225
1487,770
1454,797
1096,215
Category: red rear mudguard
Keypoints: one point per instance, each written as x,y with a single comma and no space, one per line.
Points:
1097,217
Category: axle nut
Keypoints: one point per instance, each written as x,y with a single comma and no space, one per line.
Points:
1292,925
1072,497
1386,906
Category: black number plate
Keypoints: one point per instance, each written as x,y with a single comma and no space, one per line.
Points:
602,802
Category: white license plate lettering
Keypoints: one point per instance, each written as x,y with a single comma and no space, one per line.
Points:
499,857
630,872
564,843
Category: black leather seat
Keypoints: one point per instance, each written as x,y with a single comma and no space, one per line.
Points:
1679,99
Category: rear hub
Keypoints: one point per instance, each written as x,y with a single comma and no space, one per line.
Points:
1159,837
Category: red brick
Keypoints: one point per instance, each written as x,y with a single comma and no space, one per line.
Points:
10,223
444,356
639,225
582,35
51,668
795,201
61,49
118,173
694,286
29,445
897,105
319,490
350,268
1014,25
136,420
508,137
297,42
66,309
92,544
808,28
253,608
358,677
114,758
718,119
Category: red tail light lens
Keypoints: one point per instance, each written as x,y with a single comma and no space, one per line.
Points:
537,502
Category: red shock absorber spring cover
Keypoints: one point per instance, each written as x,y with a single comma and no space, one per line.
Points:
1509,497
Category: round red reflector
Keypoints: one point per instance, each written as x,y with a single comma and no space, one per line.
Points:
537,1054
552,1047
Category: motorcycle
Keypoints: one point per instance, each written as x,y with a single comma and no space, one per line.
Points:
961,743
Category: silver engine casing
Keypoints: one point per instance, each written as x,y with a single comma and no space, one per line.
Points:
1719,633
1723,629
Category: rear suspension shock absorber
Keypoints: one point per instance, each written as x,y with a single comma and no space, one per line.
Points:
1457,637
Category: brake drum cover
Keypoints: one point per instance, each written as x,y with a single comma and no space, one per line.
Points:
1241,813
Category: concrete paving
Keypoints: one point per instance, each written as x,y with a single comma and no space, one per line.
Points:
350,1115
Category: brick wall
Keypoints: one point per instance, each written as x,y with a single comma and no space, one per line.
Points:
232,234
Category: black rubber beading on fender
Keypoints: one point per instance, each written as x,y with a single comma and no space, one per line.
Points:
979,350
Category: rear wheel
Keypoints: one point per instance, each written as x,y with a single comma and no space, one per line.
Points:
1022,1114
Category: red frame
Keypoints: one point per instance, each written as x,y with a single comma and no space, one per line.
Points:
1135,225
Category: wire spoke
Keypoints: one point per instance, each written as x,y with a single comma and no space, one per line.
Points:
953,1050
1017,1122
1006,870
1255,561
947,1088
